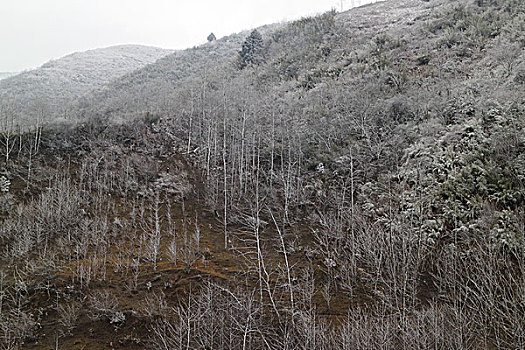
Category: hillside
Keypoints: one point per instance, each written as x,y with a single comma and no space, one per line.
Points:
152,88
45,92
347,181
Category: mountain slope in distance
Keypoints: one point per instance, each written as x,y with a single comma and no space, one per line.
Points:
44,93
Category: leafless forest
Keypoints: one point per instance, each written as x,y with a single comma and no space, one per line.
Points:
353,180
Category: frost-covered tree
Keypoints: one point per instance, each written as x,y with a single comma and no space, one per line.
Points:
252,49
211,37
4,184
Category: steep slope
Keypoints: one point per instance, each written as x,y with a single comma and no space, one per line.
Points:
363,187
45,92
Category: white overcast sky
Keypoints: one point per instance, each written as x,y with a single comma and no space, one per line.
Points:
34,31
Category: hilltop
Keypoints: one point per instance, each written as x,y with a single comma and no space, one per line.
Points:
346,181
44,93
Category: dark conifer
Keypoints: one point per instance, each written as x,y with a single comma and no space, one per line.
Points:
252,49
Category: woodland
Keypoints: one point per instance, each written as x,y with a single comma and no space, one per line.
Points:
351,180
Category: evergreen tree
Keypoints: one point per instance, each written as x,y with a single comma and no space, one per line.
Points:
252,49
211,37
